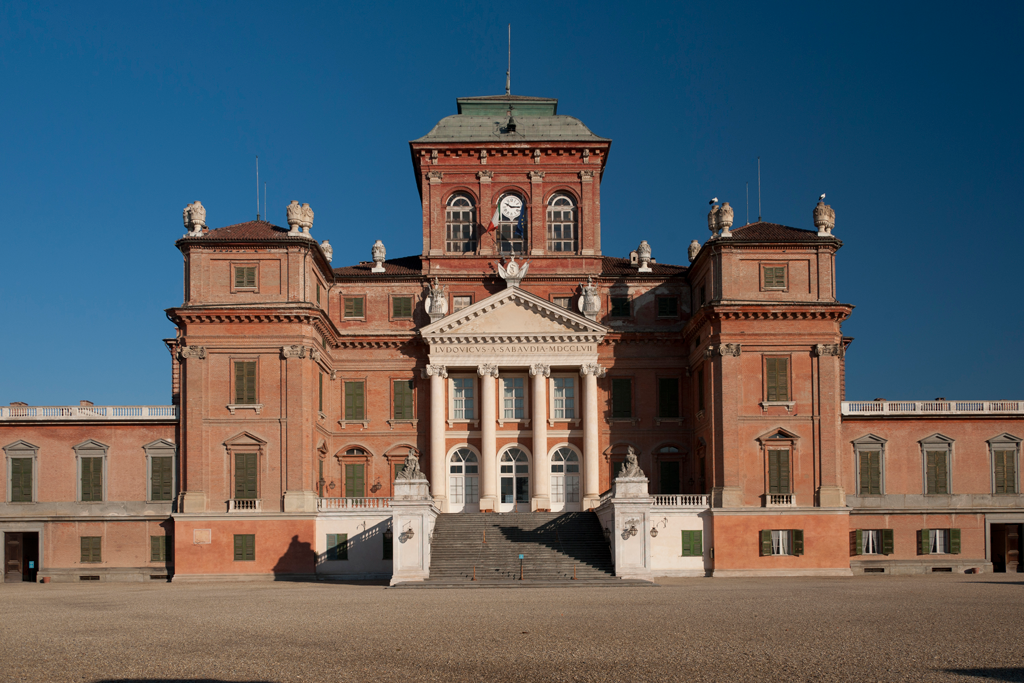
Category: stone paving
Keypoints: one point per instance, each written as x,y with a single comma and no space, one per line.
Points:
926,628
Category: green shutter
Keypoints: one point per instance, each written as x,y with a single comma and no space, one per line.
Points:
766,542
337,547
245,547
870,473
697,543
245,382
687,544
1004,463
401,307
157,548
954,541
778,471
857,542
91,549
21,480
923,542
403,399
245,476
622,397
92,479
887,542
245,277
936,471
321,392
777,380
239,548
798,541
354,401
161,479
318,294
354,307
354,481
668,397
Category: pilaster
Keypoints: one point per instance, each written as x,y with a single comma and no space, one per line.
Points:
488,438
541,479
591,433
538,224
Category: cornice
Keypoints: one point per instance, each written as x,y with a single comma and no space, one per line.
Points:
766,310
545,338
303,314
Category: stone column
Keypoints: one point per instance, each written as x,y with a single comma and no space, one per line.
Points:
541,477
438,408
591,436
488,438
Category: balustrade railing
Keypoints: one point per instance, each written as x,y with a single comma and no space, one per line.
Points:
352,503
606,496
774,500
88,412
683,500
245,505
932,407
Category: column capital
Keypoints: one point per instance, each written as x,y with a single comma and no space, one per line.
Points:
435,371
829,350
540,369
593,369
487,370
293,351
198,352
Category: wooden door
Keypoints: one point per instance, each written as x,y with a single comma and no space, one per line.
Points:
13,557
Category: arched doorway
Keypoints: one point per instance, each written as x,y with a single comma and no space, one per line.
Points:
515,480
463,481
565,480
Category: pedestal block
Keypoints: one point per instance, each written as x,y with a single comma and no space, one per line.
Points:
413,518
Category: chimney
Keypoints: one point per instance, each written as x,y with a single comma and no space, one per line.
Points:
83,402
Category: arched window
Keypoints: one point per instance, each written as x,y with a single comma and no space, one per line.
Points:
561,223
513,224
515,477
464,478
460,224
565,476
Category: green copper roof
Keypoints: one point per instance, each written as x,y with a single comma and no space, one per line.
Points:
482,119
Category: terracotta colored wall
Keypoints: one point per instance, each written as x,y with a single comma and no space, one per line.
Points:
123,544
283,546
906,526
737,541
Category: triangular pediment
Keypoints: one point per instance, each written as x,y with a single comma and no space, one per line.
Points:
515,314
243,439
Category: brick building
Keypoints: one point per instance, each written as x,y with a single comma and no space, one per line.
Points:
525,367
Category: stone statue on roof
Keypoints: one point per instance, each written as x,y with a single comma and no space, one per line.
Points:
194,216
631,468
294,211
411,470
589,303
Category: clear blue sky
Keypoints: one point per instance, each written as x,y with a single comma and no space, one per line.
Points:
116,115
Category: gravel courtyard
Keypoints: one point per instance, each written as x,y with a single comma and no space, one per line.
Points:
928,628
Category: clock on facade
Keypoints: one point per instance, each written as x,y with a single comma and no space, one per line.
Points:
511,206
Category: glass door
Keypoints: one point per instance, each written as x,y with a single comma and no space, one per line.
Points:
463,482
565,480
515,481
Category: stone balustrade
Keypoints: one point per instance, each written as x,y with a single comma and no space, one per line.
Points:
879,408
684,500
245,505
352,503
780,500
14,413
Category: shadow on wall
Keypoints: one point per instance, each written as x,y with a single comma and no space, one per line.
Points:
365,548
298,562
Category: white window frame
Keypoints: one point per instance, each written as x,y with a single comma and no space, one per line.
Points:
566,495
782,542
938,541
455,308
449,207
1004,442
475,385
871,540
23,449
552,410
574,224
525,419
464,496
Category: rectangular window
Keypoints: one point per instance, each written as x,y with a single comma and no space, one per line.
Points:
401,307
389,547
157,548
161,478
92,480
321,392
777,379
403,399
565,398
622,398
693,545
1005,464
245,277
870,472
782,542
245,382
462,398
937,472
620,306
355,481
938,541
668,307
700,390
668,397
91,549
774,277
354,401
21,480
461,302
563,301
871,542
245,547
354,307
318,294
337,547
778,471
513,394
245,476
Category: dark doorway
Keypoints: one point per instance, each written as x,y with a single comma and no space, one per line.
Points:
668,476
21,556
1006,539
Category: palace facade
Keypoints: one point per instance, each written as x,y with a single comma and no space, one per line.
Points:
525,368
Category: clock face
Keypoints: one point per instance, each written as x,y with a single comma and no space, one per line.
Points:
511,207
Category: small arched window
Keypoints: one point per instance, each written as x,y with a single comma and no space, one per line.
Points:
561,223
460,225
513,224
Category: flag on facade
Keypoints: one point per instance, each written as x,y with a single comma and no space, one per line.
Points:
518,230
494,220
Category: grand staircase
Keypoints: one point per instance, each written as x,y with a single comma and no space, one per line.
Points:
477,550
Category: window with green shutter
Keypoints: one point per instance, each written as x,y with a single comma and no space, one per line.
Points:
337,547
870,472
91,551
766,542
245,547
857,542
937,472
92,480
246,472
245,382
887,542
622,398
692,543
21,480
161,478
668,397
401,307
321,392
353,307
355,482
774,277
620,307
157,548
778,471
318,294
354,401
1005,464
798,541
245,277
668,307
954,541
777,379
403,399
